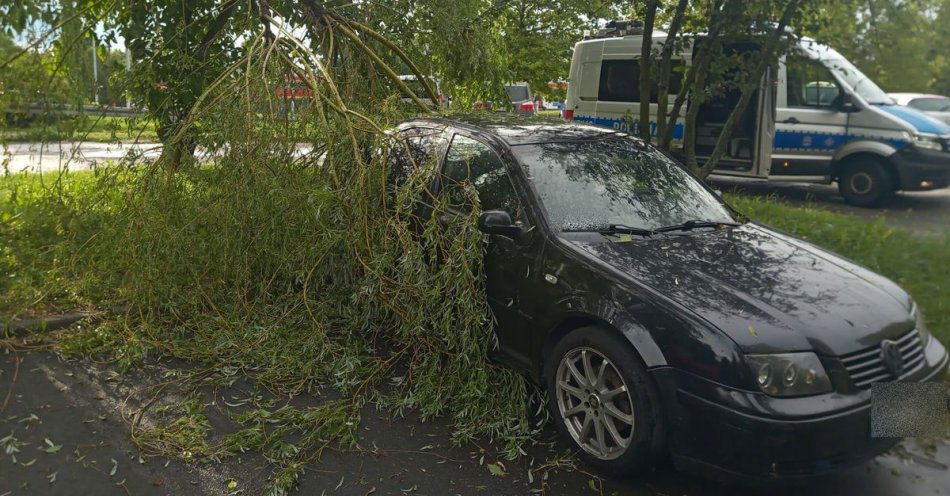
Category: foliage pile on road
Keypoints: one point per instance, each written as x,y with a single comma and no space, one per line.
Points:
282,254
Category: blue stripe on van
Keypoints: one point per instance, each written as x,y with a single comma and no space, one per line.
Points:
784,140
623,124
823,142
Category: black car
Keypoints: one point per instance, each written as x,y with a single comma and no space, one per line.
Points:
659,319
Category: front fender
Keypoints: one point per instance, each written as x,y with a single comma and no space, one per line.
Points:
879,148
660,336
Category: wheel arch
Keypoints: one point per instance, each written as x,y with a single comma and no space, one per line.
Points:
636,335
839,165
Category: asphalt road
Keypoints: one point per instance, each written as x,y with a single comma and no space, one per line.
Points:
83,409
69,156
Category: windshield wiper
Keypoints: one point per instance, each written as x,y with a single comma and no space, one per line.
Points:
622,229
693,224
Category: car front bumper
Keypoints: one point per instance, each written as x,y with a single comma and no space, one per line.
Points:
729,434
922,170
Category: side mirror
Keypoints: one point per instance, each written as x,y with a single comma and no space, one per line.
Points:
499,222
847,104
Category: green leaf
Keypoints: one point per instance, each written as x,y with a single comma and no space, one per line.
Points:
496,470
50,447
752,331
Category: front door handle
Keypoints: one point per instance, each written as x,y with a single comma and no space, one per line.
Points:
791,120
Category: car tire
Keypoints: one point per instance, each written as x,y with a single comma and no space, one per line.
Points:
865,183
607,408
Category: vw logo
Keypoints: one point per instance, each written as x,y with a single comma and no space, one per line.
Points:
892,358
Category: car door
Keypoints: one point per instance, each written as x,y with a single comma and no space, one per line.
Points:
810,125
509,263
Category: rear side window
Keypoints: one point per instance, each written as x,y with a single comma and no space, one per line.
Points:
416,147
620,81
472,160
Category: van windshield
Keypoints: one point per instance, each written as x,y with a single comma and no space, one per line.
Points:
861,84
590,185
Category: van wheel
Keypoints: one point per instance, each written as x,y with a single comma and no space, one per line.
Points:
865,183
603,402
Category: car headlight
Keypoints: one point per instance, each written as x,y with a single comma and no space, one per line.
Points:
789,374
921,325
925,141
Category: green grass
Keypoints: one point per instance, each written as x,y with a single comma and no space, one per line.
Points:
918,263
85,128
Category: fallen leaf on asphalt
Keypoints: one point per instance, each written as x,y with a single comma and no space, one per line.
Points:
52,477
115,467
50,447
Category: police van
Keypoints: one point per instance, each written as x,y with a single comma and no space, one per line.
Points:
814,118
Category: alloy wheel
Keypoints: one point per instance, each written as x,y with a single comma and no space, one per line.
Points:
861,183
594,403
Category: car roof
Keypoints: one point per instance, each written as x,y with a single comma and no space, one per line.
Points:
516,129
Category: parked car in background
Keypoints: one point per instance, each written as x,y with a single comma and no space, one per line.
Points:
521,98
659,319
935,105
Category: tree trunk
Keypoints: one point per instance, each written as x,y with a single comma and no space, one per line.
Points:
666,67
692,111
717,22
646,66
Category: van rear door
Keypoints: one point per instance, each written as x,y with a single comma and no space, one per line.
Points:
765,136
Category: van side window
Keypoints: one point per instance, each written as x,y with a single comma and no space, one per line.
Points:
811,84
620,81
471,160
415,147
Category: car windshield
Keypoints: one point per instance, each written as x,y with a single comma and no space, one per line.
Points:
591,185
861,84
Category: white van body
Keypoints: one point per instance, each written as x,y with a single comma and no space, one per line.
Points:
815,118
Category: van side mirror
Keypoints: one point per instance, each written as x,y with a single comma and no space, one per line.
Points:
847,103
499,222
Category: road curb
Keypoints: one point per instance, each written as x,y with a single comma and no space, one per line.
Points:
22,327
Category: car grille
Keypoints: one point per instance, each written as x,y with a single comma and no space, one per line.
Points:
867,367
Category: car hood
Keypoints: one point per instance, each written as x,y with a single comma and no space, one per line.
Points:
921,122
768,291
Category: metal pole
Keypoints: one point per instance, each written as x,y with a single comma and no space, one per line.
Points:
95,71
128,69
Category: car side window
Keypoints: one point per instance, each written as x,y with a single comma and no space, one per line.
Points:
415,147
474,161
811,85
